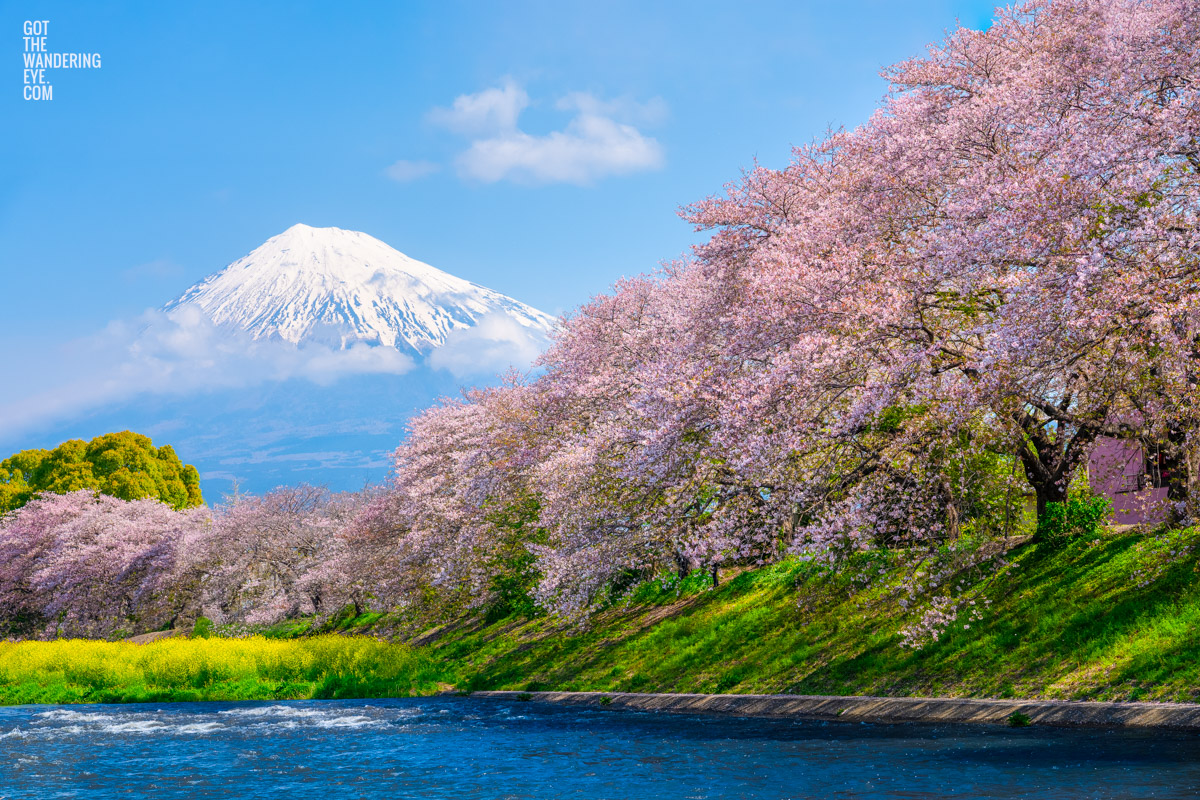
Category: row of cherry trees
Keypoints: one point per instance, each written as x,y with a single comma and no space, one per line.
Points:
885,343
895,336
87,564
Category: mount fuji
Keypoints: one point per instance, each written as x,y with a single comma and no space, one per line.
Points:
340,287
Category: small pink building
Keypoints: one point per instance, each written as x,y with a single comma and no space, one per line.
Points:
1133,479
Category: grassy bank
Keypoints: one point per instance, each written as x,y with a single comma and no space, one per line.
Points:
76,671
1115,618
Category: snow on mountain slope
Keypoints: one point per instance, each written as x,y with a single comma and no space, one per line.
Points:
340,287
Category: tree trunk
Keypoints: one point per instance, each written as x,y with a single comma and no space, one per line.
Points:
952,524
953,529
1193,481
1172,464
1049,481
1046,494
788,529
682,567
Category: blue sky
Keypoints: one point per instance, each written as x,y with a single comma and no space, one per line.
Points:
213,126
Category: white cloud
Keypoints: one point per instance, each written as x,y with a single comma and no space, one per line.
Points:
182,353
589,148
174,353
404,171
485,112
490,347
599,140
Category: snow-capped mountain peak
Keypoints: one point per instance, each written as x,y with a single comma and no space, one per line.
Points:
341,286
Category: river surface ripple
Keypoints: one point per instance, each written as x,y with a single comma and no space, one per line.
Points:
460,747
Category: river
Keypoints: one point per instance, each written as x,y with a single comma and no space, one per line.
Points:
462,747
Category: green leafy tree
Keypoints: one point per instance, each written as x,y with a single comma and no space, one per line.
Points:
125,465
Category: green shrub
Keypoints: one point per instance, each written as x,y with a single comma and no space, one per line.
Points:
667,587
1017,720
1079,517
203,628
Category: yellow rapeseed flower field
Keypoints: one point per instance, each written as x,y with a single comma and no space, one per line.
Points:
77,670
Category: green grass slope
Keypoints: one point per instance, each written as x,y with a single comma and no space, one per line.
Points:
1110,619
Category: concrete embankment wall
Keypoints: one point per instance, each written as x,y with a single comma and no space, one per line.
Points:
1178,716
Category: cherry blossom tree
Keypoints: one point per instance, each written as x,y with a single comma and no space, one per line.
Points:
87,564
1014,231
456,517
262,559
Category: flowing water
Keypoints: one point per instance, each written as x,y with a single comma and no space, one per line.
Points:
482,748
